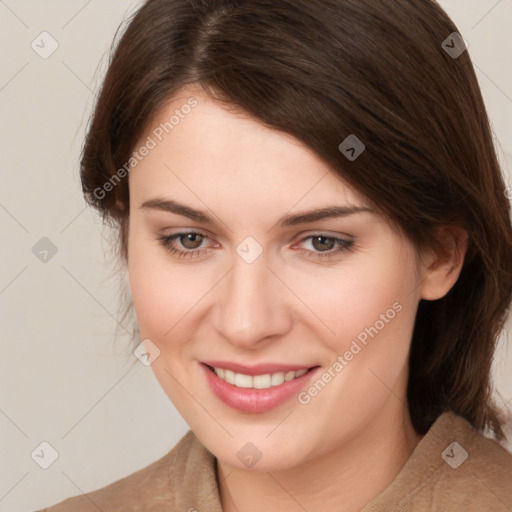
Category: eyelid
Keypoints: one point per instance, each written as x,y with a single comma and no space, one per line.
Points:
323,232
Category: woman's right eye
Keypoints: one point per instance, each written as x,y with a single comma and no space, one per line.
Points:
189,242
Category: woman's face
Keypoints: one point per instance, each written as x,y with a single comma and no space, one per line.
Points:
246,281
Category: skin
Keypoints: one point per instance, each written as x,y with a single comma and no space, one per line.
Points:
350,441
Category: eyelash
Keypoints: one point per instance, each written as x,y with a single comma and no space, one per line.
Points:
343,246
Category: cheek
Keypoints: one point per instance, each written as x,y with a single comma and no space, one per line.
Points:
161,300
154,290
371,299
158,299
371,311
147,290
163,294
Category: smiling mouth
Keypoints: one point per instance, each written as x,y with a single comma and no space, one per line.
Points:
263,381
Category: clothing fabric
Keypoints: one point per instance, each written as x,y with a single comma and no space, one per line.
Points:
453,469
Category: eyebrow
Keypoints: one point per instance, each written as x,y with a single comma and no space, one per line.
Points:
305,217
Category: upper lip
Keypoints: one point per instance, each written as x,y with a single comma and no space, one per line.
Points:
257,369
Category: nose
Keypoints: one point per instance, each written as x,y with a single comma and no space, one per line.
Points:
250,305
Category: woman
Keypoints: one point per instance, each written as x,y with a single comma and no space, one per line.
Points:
319,249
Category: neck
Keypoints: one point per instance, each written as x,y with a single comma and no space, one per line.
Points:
343,480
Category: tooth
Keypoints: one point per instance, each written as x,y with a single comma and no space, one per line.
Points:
243,381
229,376
289,376
257,381
262,381
278,378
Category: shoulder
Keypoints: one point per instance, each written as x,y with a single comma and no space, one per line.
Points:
470,453
455,468
460,469
475,468
152,487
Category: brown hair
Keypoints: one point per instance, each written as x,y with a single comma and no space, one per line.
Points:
321,70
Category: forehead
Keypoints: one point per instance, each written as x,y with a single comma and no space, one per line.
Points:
199,146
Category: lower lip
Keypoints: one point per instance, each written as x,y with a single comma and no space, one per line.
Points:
256,400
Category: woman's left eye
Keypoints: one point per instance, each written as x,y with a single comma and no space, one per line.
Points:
324,246
328,246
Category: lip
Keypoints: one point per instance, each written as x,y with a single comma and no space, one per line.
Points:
256,400
258,369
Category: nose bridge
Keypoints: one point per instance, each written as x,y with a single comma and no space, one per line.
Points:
249,307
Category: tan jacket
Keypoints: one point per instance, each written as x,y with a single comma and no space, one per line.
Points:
452,469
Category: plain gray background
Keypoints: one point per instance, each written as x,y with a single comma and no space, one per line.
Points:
64,380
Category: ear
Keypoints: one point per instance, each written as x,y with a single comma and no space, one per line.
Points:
440,271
